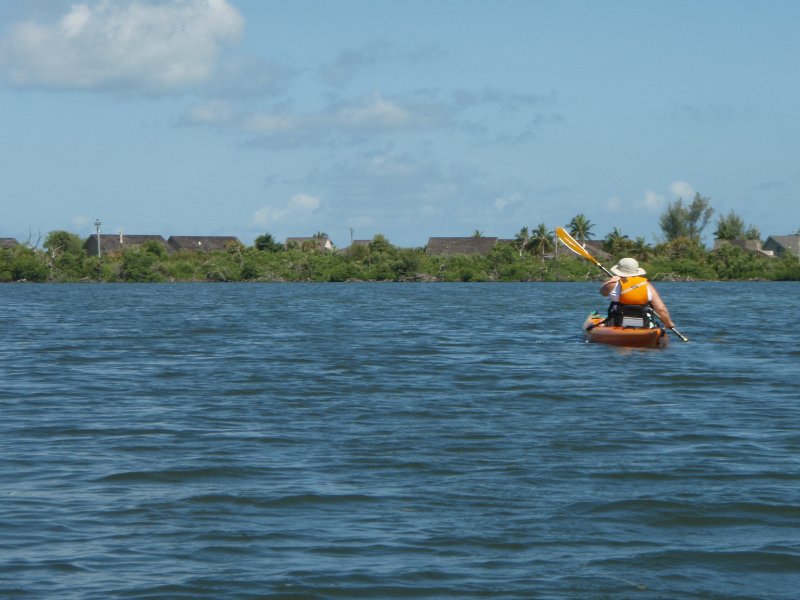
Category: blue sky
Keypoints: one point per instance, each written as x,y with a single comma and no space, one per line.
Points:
410,119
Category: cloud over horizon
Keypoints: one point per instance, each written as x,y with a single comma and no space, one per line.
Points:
298,207
122,46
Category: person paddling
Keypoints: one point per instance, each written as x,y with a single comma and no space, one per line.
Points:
632,295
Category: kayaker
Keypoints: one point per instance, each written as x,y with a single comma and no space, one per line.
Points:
631,294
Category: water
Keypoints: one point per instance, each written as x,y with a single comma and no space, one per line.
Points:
395,441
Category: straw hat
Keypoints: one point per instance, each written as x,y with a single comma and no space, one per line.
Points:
627,267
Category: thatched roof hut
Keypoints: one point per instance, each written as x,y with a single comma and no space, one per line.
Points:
112,242
201,243
754,246
448,246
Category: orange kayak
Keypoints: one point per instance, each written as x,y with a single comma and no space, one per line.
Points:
632,337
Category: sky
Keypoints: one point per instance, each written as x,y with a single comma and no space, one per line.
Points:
406,118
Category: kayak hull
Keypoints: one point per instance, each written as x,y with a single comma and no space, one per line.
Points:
630,337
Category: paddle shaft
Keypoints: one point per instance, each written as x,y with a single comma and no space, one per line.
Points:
679,334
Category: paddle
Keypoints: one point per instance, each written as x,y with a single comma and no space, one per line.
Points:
571,243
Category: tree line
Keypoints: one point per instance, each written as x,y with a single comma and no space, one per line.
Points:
529,256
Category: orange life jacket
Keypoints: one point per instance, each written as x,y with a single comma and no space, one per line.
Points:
633,290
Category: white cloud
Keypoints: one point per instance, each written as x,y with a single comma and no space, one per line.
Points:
501,202
266,124
378,112
652,201
80,221
613,204
375,114
681,189
267,215
216,112
122,45
298,206
356,120
342,69
304,202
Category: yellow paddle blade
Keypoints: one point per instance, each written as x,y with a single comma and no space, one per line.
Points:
571,243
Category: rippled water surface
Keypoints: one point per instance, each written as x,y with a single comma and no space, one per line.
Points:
395,441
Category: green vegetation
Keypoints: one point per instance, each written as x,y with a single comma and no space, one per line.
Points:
531,256
732,227
686,221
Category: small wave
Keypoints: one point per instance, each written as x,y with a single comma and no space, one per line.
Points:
761,561
178,475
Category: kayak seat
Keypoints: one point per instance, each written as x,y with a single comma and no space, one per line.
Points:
631,315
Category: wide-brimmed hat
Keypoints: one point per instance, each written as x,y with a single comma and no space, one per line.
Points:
627,267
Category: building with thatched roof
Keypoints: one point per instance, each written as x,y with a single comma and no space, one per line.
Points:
314,243
201,243
753,246
595,247
114,243
449,246
781,244
8,242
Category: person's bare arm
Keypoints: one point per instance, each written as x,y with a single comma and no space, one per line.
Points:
608,286
660,308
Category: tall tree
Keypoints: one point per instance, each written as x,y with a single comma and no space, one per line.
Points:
752,233
729,227
613,240
686,221
542,239
522,240
618,244
581,228
267,243
62,242
732,227
641,249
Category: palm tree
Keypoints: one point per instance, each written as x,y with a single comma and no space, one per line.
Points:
581,228
542,239
522,240
613,240
641,249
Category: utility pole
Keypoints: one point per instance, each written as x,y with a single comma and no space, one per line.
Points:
97,227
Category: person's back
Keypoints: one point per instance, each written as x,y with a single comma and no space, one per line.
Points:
632,295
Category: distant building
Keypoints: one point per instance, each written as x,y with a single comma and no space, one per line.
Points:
316,243
114,243
781,244
753,246
8,242
449,246
594,246
200,243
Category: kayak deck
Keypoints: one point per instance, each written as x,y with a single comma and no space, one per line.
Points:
631,337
